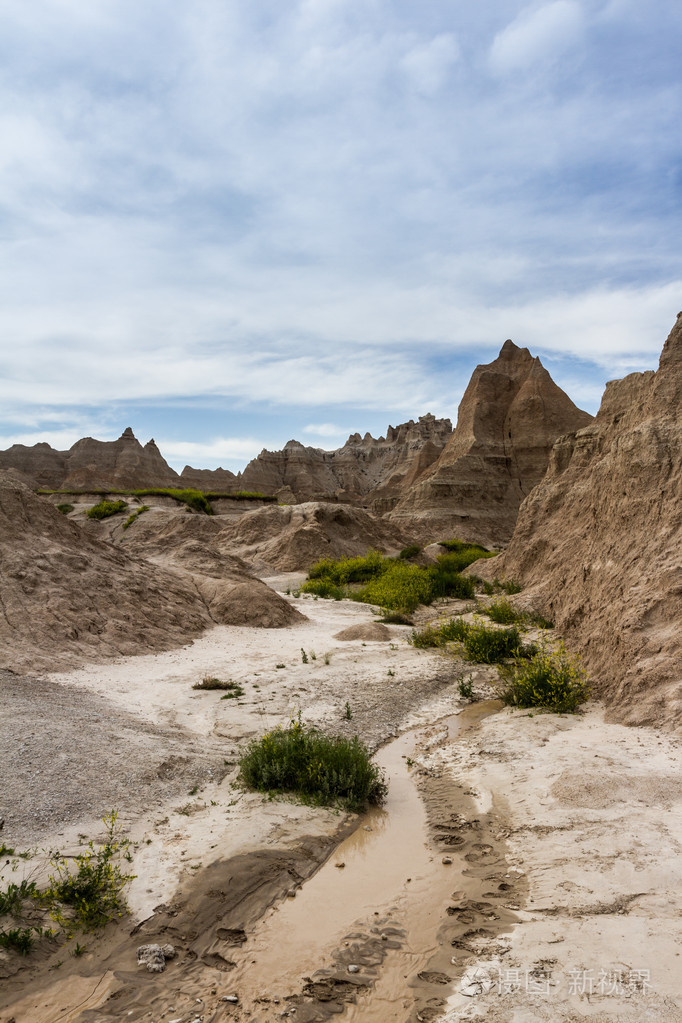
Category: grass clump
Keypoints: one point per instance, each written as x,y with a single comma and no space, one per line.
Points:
92,894
135,515
209,682
510,586
551,679
490,646
65,508
318,768
504,613
14,896
104,509
19,939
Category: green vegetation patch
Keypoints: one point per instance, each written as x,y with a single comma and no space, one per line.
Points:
18,939
209,682
462,554
89,892
13,897
104,509
135,515
482,643
316,767
552,679
65,508
390,583
407,553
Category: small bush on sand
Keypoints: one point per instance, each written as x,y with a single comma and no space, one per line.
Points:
105,508
92,894
552,678
350,570
510,586
65,508
460,554
209,682
318,768
440,634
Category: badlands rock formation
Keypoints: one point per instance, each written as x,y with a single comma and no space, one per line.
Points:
508,420
93,464
599,543
291,538
67,597
351,473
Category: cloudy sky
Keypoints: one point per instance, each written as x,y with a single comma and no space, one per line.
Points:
226,223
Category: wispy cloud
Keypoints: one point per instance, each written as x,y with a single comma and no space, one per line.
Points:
311,204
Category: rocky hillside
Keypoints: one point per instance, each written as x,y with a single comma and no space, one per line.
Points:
67,597
509,417
598,543
93,464
352,473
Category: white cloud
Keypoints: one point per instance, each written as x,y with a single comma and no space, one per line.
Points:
539,35
324,430
215,451
428,64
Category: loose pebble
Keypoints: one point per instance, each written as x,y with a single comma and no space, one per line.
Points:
353,968
447,860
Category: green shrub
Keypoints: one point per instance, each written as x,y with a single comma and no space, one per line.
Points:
400,587
12,899
94,891
490,646
460,555
350,570
105,508
323,588
504,613
318,768
440,634
447,582
394,618
65,508
409,552
19,939
552,678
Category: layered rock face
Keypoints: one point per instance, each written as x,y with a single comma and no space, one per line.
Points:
93,465
67,597
598,543
351,473
509,417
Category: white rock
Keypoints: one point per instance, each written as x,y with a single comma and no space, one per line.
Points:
152,957
353,968
475,981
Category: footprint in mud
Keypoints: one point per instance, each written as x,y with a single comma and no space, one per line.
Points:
454,841
218,962
231,935
481,853
433,977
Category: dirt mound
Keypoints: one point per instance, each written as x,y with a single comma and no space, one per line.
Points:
374,632
67,597
510,416
599,543
293,537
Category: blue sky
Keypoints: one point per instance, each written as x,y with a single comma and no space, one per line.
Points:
228,224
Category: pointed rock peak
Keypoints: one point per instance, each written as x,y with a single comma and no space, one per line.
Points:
127,434
671,356
511,351
151,444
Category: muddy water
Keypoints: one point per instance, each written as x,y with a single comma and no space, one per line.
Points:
385,878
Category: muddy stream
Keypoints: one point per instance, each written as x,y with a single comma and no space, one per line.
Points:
370,916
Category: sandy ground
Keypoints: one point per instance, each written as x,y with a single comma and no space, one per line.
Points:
561,901
594,820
